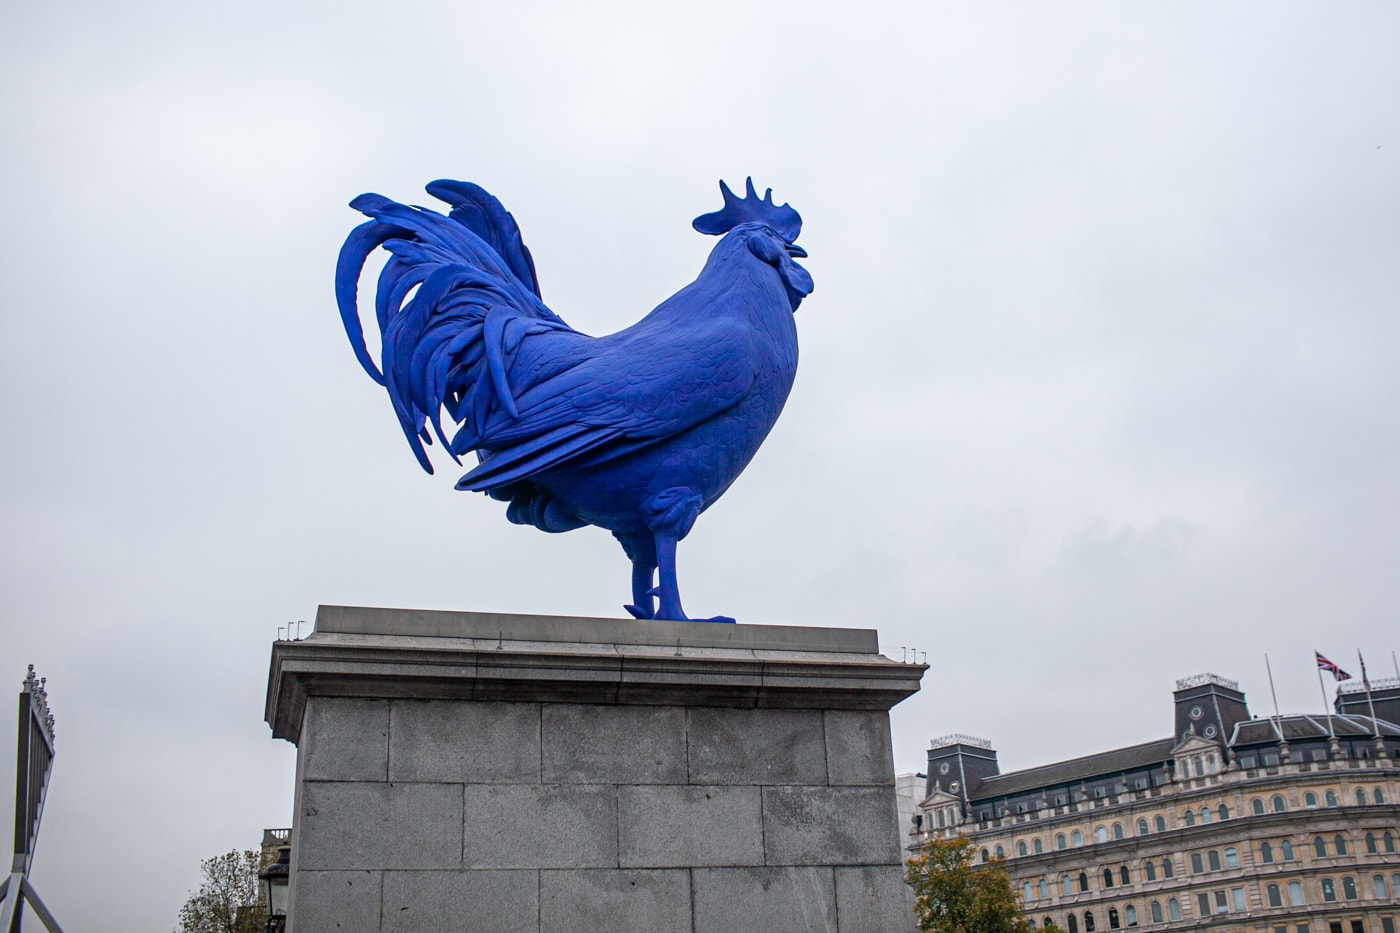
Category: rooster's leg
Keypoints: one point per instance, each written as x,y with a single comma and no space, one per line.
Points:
641,551
671,515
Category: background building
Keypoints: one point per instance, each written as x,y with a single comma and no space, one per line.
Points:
1288,824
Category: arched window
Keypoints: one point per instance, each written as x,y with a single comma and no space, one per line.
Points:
1026,891
1072,923
1174,909
1130,915
1361,797
1123,876
1349,888
1001,853
1149,871
1388,842
1155,912
1371,844
1232,857
1320,847
1161,823
1031,923
1066,886
1279,804
1377,796
1021,849
1205,814
1117,830
1340,843
1274,895
1378,887
1143,829
1213,860
1046,921
1076,839
1108,877
1329,890
1042,889
1167,870
1287,846
1083,881
1059,840
1037,846
1188,818
1295,894
1266,853
1200,768
1257,805
1224,812
1113,923
986,856
1197,865
1088,921
1100,834
1331,798
1310,800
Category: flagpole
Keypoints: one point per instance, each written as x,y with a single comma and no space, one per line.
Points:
1272,693
1395,664
1366,682
1331,733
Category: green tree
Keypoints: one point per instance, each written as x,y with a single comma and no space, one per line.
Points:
228,899
954,896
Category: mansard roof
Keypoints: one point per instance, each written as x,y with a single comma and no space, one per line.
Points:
1308,726
1103,764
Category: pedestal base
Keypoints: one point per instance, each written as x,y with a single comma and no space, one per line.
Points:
470,771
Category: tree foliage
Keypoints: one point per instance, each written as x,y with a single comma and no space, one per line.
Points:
228,899
954,896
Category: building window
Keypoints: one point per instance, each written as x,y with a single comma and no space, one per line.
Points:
1161,823
1059,840
1358,926
1174,909
1066,886
1287,846
1340,842
1257,805
1076,839
1197,866
1377,796
1238,901
1143,829
1371,844
1202,904
1318,754
1088,921
1279,803
1026,891
1130,915
1349,888
1043,889
1167,870
1329,890
1331,798
1117,830
1031,922
1378,887
1149,871
1200,768
1319,847
1310,800
1388,842
1021,849
1205,814
1001,853
1108,877
1222,906
1334,926
1295,894
1270,759
1083,881
1247,762
1100,835
1232,857
1387,925
1213,859
1361,797
1266,853
1037,846
1073,923
1274,895
1210,759
1224,812
1113,923
1047,921
1123,876
986,856
1189,818
1154,911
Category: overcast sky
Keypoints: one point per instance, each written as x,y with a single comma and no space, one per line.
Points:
1098,387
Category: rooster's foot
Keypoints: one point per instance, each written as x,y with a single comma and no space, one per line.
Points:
637,613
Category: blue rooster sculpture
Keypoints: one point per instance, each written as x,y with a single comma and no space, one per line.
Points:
637,432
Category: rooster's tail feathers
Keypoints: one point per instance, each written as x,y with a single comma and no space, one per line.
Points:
457,292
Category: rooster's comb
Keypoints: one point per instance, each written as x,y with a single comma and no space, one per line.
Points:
750,209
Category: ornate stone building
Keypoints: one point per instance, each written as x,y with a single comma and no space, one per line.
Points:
1288,824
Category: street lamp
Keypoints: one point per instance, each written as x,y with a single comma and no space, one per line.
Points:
274,879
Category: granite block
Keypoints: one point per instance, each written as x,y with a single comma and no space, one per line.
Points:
586,744
379,825
540,826
336,902
686,826
858,747
461,902
463,741
874,899
346,739
756,746
774,900
830,826
576,901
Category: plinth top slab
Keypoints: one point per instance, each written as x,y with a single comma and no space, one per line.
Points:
427,655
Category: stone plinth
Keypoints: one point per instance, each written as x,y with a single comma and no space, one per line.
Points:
473,771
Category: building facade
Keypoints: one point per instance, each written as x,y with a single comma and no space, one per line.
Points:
1288,824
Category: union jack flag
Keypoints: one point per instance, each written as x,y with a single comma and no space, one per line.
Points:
1330,667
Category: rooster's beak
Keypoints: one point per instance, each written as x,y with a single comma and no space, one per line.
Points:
795,250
